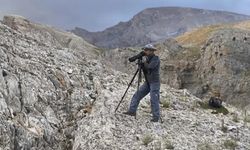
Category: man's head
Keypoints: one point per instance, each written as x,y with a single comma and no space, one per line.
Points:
149,49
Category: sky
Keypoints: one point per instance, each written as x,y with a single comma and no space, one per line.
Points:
96,15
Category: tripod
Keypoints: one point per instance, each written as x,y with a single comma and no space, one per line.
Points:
139,70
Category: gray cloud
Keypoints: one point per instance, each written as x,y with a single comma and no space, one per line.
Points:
96,15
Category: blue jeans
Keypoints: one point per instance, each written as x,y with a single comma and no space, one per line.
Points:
154,90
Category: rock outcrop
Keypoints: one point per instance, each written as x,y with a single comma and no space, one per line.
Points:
155,24
47,85
224,65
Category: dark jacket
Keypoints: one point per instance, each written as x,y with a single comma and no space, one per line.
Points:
152,69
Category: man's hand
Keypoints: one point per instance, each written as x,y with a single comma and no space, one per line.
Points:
144,59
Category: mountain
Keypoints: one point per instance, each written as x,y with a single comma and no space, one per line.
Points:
56,92
155,24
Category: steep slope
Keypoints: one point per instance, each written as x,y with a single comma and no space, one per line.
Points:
225,65
156,24
47,35
224,61
46,86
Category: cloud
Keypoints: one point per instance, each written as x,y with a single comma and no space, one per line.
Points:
99,14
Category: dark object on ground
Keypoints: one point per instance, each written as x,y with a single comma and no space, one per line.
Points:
205,105
154,120
215,102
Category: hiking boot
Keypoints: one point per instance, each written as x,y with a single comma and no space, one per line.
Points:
129,113
154,120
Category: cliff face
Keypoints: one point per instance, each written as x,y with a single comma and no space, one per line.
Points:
225,65
155,24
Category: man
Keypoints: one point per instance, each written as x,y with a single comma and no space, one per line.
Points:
151,68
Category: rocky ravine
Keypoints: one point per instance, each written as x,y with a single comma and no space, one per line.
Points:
54,95
154,24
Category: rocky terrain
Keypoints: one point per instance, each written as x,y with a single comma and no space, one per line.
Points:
213,58
223,63
186,125
154,24
49,79
57,92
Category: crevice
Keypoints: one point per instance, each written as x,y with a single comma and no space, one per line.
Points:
7,87
15,141
213,69
21,93
4,73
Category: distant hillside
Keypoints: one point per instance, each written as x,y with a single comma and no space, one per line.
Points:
199,36
155,24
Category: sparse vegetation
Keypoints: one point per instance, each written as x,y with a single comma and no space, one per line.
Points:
230,144
245,25
246,117
190,53
235,117
204,146
194,105
199,36
222,110
168,145
166,103
147,139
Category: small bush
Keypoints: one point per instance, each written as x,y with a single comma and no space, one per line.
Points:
194,106
230,144
147,139
166,104
168,145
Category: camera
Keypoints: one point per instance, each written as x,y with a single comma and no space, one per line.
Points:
138,56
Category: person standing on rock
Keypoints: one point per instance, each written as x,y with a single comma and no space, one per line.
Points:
151,68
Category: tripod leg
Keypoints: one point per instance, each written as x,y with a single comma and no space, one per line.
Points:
127,89
139,79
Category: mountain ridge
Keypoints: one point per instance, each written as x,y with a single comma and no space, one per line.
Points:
154,24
